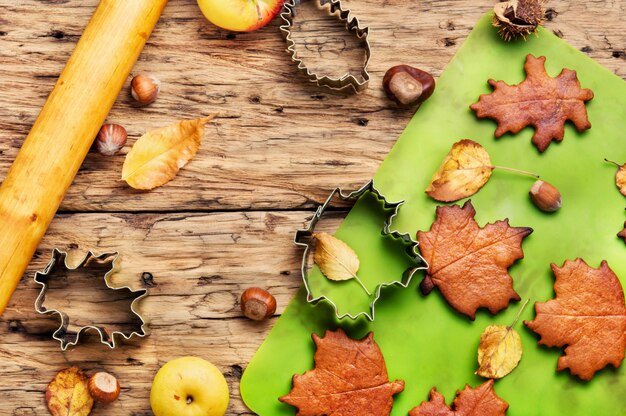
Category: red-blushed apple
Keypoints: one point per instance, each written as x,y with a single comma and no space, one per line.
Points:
189,386
240,15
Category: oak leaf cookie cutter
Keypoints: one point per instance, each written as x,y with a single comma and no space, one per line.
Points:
71,338
352,25
303,238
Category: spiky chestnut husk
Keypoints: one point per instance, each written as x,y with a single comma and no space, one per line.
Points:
517,18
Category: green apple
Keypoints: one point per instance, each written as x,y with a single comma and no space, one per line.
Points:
240,15
189,386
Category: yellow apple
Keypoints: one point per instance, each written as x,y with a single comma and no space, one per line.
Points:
189,386
240,15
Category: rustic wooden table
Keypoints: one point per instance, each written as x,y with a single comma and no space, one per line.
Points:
226,222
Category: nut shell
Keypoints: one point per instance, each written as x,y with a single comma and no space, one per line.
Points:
111,138
145,88
517,18
545,196
408,86
104,387
257,304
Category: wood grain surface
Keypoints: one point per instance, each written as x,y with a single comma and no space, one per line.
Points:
226,222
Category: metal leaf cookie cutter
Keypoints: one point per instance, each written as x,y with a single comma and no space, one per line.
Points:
303,238
68,337
352,25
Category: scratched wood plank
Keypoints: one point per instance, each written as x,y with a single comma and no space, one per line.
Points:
279,144
200,264
279,140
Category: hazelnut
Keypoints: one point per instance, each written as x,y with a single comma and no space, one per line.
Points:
408,86
111,138
257,304
145,88
545,196
103,387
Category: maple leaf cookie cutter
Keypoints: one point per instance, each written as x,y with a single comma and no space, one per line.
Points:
345,81
304,238
71,338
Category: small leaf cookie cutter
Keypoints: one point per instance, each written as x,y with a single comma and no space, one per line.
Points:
352,25
71,338
303,238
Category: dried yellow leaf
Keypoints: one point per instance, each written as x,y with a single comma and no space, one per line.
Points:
68,394
464,171
620,176
336,259
620,179
158,155
499,352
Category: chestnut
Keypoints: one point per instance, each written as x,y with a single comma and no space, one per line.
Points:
103,387
408,86
257,304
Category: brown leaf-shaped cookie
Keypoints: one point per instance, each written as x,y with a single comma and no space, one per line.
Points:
470,264
481,401
587,316
540,101
349,378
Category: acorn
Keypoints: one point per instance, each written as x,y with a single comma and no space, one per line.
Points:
517,18
545,196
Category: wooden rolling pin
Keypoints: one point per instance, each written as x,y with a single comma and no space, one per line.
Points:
65,129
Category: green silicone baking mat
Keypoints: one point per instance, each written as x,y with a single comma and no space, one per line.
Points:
424,341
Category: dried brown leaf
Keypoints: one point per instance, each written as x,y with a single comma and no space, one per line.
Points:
68,394
158,155
464,171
